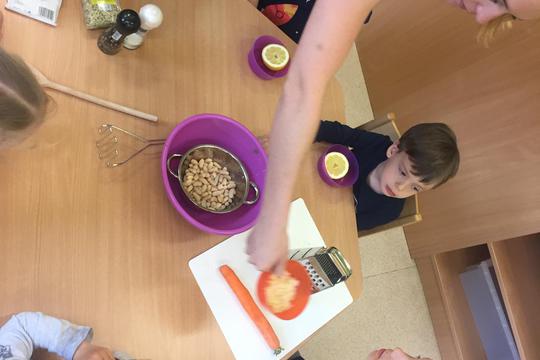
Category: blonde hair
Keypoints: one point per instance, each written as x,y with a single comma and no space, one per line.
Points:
487,32
22,100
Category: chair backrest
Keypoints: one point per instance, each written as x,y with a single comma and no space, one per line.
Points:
388,128
410,213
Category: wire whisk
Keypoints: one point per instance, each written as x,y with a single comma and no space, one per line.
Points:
108,144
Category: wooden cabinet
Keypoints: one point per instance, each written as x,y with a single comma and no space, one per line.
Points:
517,269
518,274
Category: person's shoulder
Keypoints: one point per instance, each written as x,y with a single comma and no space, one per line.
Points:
380,138
372,139
374,144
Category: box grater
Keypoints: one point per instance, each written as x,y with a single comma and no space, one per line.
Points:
325,266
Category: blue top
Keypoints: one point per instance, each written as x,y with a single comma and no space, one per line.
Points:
372,209
29,330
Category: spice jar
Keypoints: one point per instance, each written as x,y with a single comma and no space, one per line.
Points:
100,13
151,17
127,22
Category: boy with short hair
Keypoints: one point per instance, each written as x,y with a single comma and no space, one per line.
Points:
425,157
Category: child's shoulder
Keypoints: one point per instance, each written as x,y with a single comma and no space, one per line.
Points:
375,138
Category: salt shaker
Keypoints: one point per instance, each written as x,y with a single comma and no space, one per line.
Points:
127,22
151,17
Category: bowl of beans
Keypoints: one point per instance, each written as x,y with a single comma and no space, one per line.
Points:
213,179
213,170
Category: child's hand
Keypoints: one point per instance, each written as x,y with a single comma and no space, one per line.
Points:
87,351
265,142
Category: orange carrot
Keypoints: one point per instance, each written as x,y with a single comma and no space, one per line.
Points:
247,302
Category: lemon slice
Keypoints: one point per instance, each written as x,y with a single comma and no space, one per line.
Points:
275,57
336,165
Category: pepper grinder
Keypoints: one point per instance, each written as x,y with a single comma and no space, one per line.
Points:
151,18
127,22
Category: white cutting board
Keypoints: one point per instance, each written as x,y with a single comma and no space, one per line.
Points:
243,337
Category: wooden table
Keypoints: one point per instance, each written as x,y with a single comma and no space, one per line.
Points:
103,247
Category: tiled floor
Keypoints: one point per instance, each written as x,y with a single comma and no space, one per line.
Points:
350,77
392,311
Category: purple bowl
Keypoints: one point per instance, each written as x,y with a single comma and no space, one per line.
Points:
255,59
228,134
352,174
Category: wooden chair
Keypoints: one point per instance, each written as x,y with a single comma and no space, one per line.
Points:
410,213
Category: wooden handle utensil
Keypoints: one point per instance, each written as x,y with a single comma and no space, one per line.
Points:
45,82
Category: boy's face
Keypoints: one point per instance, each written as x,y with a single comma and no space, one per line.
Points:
395,178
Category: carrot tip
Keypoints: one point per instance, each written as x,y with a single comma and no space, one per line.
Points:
278,350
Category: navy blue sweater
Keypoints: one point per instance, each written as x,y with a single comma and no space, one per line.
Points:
372,209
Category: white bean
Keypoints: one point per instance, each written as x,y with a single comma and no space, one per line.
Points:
209,184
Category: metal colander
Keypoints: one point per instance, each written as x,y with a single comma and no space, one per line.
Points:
235,167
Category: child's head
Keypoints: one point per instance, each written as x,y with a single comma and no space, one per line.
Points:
395,354
425,157
22,100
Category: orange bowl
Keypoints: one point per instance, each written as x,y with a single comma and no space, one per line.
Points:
303,290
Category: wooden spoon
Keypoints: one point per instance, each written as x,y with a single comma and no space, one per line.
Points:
45,82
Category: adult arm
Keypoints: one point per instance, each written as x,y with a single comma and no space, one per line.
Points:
327,38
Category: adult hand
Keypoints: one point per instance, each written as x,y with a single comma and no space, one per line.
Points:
88,351
267,248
